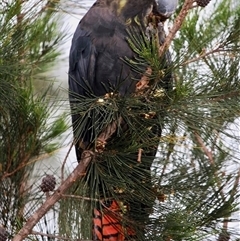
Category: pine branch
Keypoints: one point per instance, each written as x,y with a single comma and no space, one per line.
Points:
224,235
188,4
209,154
107,133
64,162
204,148
142,84
232,94
78,173
51,236
21,165
204,54
25,163
79,197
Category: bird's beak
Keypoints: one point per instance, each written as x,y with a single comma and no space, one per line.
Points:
166,7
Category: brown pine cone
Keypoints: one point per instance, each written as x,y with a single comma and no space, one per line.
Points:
203,3
48,183
3,234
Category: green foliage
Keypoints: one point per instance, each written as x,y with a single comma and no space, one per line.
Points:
28,45
29,37
201,127
191,190
193,180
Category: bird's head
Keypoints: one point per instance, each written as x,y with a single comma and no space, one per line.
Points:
129,8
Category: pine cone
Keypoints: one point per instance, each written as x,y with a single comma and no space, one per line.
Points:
48,183
3,234
203,3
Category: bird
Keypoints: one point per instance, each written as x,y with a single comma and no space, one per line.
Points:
97,68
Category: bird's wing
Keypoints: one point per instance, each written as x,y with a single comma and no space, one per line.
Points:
82,61
93,65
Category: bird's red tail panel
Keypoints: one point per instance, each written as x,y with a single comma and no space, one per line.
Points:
97,225
108,226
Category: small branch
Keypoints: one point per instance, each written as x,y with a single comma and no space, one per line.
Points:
64,162
26,162
204,54
139,158
232,94
224,235
77,173
56,236
142,84
107,133
204,148
79,197
210,157
23,164
188,4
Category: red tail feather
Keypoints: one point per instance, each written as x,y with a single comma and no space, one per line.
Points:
108,224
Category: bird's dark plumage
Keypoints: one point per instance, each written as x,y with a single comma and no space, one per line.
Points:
98,46
96,65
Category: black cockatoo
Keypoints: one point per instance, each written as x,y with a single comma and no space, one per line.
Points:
97,67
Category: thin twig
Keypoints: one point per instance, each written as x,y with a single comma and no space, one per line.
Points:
188,4
142,84
107,133
221,97
204,54
204,148
209,154
139,158
236,183
79,197
64,162
24,163
56,236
